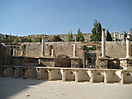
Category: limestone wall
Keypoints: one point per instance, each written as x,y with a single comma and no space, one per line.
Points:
116,49
5,53
33,49
52,49
47,62
24,61
76,63
63,48
2,54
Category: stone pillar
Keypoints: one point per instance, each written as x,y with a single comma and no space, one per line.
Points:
92,77
103,42
22,53
52,52
39,61
74,50
64,75
38,73
86,63
105,76
14,52
26,73
16,74
75,38
76,73
50,74
84,59
43,46
5,71
122,77
127,48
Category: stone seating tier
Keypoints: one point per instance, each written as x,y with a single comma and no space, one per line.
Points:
68,74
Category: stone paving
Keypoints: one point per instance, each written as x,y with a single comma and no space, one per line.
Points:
12,88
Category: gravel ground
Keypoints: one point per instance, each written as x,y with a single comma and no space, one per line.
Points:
18,88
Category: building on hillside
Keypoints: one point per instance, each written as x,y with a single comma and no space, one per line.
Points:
130,34
119,36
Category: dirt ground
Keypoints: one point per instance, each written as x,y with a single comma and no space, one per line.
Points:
18,88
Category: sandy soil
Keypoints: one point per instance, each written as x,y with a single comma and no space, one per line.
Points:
18,88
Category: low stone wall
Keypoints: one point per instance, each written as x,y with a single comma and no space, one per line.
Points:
68,74
25,61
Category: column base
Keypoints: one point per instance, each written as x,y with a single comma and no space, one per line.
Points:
128,57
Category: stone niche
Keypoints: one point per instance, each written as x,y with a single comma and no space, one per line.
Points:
62,60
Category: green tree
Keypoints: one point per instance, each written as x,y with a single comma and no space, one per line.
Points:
16,40
108,37
28,39
22,39
79,36
70,36
89,48
96,31
56,38
38,39
10,39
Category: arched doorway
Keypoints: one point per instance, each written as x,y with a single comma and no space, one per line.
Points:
24,49
50,49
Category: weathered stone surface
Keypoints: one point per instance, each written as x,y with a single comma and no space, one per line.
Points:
64,53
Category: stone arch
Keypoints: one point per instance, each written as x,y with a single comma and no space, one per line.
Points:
50,49
23,48
128,74
11,49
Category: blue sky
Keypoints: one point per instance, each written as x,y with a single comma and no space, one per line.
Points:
25,17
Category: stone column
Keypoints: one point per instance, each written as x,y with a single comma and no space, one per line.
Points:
76,73
103,42
74,50
5,71
127,48
75,39
52,52
86,63
39,61
105,76
38,73
22,53
14,52
50,74
42,50
26,73
16,72
122,77
64,75
92,77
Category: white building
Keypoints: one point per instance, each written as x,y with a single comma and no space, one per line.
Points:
119,36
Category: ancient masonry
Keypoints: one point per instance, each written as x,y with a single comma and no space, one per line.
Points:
110,62
68,74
